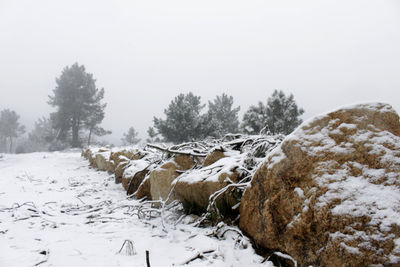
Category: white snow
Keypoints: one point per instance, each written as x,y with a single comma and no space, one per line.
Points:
136,166
299,192
53,204
212,172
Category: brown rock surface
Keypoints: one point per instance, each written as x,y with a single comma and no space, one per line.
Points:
144,189
162,177
329,195
120,160
213,157
195,188
131,171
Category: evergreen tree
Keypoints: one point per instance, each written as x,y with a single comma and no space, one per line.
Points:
93,121
130,138
221,118
10,128
279,116
42,134
183,120
254,120
78,103
153,135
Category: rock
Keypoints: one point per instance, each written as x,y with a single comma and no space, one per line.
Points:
194,188
119,169
162,177
130,172
110,166
120,160
329,195
214,156
86,153
102,161
144,189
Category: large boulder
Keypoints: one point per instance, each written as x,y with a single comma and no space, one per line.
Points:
131,171
329,195
194,188
144,189
161,178
119,160
213,157
101,159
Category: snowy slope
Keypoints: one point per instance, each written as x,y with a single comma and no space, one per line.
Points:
55,211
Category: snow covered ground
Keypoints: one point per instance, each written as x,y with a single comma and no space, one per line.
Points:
55,211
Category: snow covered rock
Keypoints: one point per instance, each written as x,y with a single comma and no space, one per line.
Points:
134,174
121,159
329,195
212,157
143,190
161,178
101,159
194,188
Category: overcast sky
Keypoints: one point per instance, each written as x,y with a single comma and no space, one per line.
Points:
327,53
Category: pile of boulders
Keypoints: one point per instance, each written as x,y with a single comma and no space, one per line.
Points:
327,195
190,173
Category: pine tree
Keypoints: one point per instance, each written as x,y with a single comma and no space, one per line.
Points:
279,116
282,113
130,137
94,119
153,135
43,133
221,118
254,120
10,127
183,120
78,103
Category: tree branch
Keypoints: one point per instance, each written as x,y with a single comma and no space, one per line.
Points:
177,152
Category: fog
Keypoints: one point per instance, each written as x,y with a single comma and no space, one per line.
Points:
144,53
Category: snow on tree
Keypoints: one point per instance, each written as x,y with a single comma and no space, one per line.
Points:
221,117
130,137
183,119
10,128
77,100
280,115
254,120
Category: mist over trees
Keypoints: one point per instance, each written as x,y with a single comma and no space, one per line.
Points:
10,129
130,137
78,104
80,111
279,116
153,136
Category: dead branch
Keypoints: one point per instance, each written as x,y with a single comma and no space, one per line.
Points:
198,255
177,151
129,248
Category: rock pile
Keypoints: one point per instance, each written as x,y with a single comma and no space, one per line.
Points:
328,195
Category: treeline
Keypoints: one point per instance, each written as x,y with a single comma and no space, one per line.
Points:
184,120
79,111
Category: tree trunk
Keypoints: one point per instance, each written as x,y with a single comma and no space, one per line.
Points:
75,134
